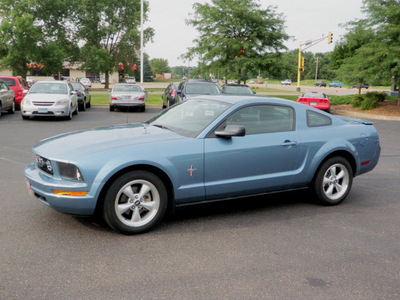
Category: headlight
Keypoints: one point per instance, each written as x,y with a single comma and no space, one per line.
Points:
44,164
26,102
62,102
69,171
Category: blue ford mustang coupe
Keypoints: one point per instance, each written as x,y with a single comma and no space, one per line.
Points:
206,149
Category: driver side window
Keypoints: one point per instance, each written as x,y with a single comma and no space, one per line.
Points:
263,119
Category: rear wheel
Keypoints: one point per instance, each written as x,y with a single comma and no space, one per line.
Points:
11,110
111,108
135,202
333,181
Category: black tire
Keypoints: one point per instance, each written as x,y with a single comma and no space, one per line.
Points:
135,202
88,105
76,110
333,181
69,117
112,108
163,105
11,110
0,109
83,106
25,117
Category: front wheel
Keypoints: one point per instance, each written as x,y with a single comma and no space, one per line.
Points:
135,202
333,181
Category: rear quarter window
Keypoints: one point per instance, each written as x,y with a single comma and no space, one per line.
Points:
315,119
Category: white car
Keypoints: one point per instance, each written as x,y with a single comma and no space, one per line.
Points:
130,80
50,99
86,82
125,95
286,82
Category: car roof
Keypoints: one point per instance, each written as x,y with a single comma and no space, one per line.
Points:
235,99
235,84
52,81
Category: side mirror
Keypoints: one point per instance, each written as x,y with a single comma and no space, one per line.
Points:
230,131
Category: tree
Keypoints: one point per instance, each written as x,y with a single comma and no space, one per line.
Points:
377,53
111,28
159,66
236,36
35,31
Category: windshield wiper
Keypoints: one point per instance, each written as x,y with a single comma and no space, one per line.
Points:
161,126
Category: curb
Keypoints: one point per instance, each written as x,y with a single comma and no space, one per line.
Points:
364,115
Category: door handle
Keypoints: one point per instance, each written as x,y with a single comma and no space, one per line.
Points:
288,143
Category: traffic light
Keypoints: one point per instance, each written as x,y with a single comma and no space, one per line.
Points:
303,61
330,38
301,70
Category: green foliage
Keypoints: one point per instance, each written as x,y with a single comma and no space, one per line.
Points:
367,101
159,66
338,100
357,100
236,37
379,96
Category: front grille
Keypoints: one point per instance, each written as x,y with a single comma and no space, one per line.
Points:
41,103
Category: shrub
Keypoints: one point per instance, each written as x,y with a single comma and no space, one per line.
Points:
379,96
369,103
357,100
337,100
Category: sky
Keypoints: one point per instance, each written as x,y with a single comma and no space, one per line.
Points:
305,20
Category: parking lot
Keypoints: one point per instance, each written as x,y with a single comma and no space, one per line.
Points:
279,246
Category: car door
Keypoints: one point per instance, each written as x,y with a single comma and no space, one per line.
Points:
264,160
6,96
73,97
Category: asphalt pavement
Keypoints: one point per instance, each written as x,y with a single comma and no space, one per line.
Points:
279,246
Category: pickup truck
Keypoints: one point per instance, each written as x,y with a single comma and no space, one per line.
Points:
336,84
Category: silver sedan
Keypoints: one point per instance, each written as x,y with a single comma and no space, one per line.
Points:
50,99
7,99
125,95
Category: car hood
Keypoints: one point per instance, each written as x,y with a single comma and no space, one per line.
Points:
46,97
73,145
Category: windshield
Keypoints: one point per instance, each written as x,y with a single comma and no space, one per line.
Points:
49,88
238,90
202,89
190,117
314,95
8,81
78,86
126,88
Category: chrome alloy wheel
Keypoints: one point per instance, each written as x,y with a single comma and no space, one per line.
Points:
336,181
137,203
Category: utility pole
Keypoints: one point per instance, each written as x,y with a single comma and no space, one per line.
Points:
316,70
301,60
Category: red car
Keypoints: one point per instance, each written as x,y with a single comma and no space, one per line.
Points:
18,85
317,100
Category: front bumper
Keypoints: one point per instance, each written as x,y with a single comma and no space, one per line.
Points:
42,187
49,111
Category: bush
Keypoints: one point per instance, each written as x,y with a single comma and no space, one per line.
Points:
369,103
357,100
338,100
378,96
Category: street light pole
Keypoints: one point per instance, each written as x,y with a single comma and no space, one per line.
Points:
141,42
